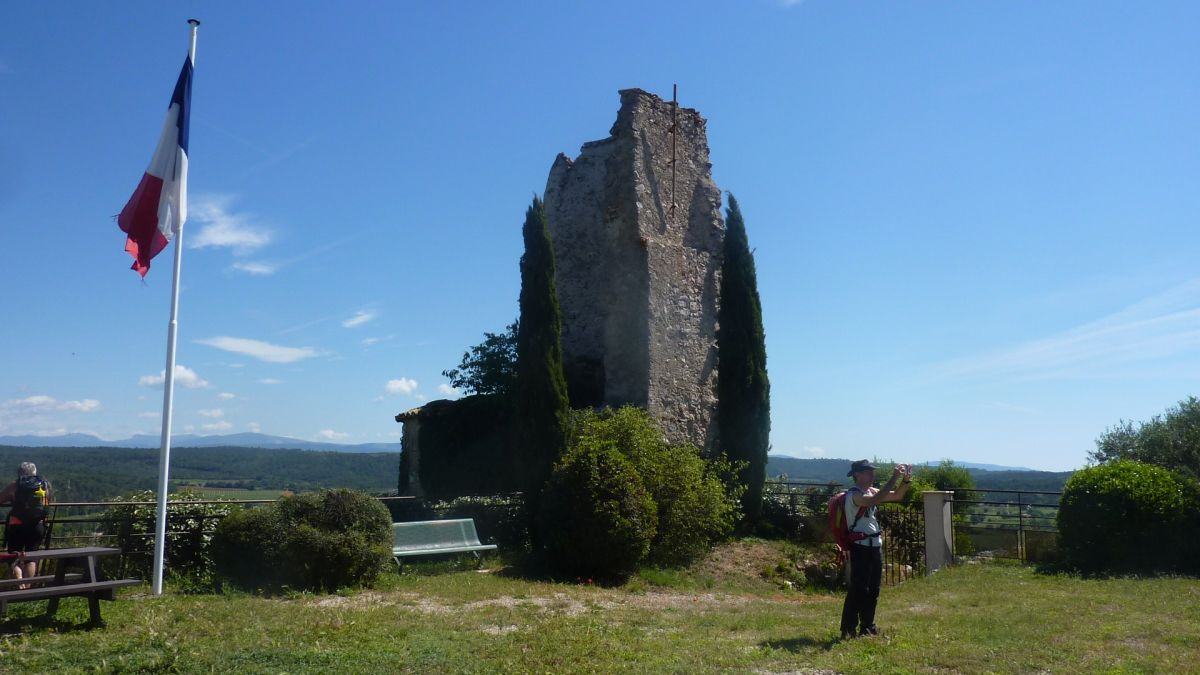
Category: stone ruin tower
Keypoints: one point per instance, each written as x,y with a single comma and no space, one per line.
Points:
638,249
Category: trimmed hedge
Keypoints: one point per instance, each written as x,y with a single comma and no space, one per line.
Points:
1128,517
466,447
316,541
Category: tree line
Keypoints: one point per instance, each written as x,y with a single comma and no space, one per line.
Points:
100,474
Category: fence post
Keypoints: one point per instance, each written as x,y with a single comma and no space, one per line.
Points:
939,533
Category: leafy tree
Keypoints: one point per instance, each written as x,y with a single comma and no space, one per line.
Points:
948,476
541,406
1171,440
743,390
489,367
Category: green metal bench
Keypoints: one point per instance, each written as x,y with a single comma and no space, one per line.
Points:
430,537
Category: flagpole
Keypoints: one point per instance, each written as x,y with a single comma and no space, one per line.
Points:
164,457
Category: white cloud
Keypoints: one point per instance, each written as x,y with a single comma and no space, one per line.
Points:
359,319
263,351
225,396
256,268
446,389
805,452
86,405
149,415
42,415
403,385
43,403
184,377
221,228
270,380
215,413
1159,327
331,435
367,342
254,427
189,428
217,426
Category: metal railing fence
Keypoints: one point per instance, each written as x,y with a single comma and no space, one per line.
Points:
1017,524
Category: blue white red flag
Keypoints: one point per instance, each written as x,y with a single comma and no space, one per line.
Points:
158,208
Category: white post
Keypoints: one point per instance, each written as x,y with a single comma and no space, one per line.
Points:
939,533
164,457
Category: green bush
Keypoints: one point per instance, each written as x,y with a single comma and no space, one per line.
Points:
597,518
187,552
693,505
316,541
1127,517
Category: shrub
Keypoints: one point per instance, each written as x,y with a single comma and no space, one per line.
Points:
246,543
315,541
693,504
597,519
187,551
1125,516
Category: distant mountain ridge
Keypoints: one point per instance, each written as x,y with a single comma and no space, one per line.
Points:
823,470
243,440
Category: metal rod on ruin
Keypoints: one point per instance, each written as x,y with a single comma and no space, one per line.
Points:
674,138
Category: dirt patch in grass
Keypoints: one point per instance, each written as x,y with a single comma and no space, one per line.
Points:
501,630
358,601
566,605
558,604
743,562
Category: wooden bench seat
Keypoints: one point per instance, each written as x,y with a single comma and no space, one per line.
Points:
103,589
7,584
431,537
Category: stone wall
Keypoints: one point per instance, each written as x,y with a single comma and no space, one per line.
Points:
637,278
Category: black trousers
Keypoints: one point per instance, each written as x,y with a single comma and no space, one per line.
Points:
866,573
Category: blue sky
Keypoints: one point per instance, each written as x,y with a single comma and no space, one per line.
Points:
975,223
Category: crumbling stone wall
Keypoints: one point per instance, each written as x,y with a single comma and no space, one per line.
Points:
637,279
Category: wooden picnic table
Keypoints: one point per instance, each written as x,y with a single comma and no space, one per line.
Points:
86,583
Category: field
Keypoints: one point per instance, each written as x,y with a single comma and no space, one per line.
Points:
721,615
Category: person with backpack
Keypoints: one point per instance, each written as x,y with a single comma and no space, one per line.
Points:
860,540
25,528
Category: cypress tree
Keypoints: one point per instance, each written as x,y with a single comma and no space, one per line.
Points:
743,390
541,405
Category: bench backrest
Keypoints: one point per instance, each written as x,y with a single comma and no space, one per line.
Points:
434,534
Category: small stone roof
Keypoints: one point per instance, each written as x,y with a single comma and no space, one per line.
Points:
409,414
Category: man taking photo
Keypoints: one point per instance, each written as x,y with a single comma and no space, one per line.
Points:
866,554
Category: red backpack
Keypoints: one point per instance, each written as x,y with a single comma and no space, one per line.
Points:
843,533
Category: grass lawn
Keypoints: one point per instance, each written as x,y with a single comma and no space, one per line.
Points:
972,618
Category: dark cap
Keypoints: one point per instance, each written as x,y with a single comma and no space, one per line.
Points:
861,465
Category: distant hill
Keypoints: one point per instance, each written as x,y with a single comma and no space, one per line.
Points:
834,470
243,440
100,473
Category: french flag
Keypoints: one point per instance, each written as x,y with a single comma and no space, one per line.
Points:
158,207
